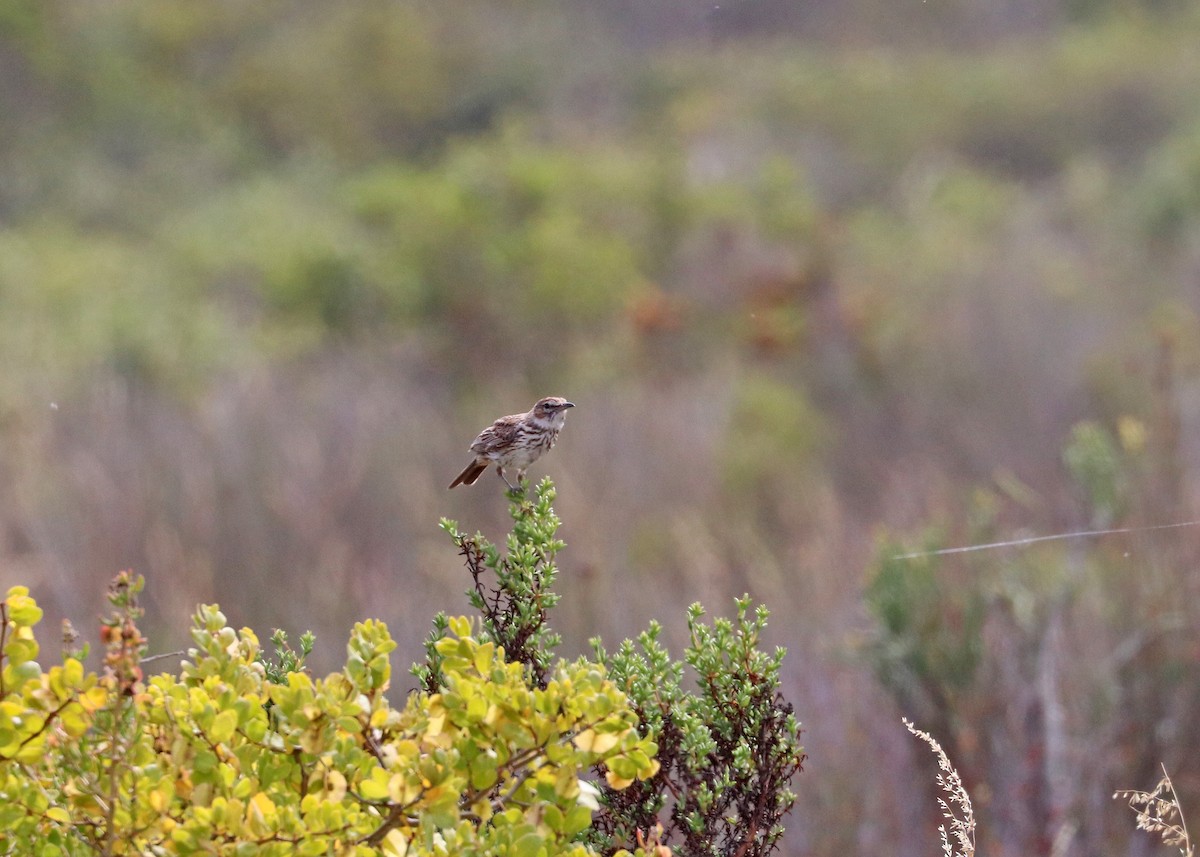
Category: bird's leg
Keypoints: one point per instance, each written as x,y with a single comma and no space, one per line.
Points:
500,470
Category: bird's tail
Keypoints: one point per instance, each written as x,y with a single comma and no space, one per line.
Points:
467,477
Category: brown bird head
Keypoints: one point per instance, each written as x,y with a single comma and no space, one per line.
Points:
552,410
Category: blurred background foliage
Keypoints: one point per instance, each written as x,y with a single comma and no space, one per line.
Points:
829,281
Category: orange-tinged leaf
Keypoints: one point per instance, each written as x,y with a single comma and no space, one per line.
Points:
93,699
591,741
158,800
615,781
260,814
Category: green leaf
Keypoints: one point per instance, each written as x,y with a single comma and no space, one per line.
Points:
59,814
373,790
20,652
223,727
576,820
73,720
23,610
553,818
483,771
33,751
528,845
72,673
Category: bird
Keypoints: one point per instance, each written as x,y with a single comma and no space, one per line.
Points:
517,441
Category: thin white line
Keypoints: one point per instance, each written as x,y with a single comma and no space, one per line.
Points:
1034,539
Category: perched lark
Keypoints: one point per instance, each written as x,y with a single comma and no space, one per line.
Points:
516,441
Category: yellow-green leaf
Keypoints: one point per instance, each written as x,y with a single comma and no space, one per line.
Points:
224,725
577,819
394,844
32,752
74,720
72,673
528,845
373,790
335,786
93,699
483,658
260,814
22,609
21,651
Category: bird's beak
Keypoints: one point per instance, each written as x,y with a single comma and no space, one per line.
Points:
568,404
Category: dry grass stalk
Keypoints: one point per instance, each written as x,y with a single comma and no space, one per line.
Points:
1159,812
959,840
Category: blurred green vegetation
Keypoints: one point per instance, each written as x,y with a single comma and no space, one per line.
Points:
810,271
261,177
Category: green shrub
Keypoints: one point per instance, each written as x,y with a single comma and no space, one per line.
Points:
495,754
927,648
221,760
727,750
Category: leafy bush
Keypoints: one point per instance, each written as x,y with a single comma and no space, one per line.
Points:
240,754
927,647
726,751
221,760
514,612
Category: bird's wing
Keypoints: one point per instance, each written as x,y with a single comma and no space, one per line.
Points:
498,435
